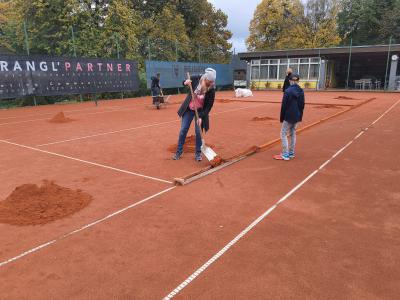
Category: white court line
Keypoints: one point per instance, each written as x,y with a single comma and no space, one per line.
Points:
86,162
52,113
93,113
139,127
6,262
218,255
105,133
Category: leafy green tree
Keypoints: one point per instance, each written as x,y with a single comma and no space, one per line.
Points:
321,23
390,25
7,25
120,30
277,24
48,24
368,21
205,27
167,35
88,20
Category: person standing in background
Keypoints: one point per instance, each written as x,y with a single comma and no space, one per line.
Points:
291,114
155,85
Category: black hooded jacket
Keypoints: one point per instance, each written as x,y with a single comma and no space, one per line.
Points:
208,103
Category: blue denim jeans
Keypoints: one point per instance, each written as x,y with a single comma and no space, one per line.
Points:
186,121
288,128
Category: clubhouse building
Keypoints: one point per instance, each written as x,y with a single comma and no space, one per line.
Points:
358,67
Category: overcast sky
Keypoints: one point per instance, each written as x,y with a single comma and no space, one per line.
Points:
239,12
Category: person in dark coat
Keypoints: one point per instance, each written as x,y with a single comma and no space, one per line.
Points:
204,91
286,84
291,114
155,85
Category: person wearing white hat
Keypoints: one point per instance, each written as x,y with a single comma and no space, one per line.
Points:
204,91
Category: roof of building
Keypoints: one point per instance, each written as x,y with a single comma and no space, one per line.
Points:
374,49
238,64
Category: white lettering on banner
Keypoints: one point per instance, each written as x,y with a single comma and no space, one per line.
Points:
43,66
17,66
54,67
30,66
3,66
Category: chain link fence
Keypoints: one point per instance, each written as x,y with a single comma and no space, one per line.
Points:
114,47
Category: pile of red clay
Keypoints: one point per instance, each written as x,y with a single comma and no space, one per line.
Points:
216,161
345,98
263,119
327,106
30,204
189,147
60,118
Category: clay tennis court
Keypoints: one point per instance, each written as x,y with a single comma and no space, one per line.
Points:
322,226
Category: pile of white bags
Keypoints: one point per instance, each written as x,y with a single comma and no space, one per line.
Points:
243,93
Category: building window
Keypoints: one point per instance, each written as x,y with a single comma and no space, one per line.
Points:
264,72
294,67
275,69
303,71
283,65
314,71
255,73
273,72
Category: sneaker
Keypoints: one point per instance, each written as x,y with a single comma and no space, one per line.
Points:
291,155
281,157
198,157
177,156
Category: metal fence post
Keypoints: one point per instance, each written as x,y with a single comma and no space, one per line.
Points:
26,38
73,40
117,44
74,49
176,50
385,87
28,52
118,56
319,69
148,45
348,68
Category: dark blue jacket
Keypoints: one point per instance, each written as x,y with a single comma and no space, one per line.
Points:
208,103
155,82
292,104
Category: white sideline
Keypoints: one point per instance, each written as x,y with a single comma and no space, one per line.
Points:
139,127
104,133
87,162
43,119
52,113
200,270
118,212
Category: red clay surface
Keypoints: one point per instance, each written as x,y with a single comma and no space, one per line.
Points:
136,129
30,204
337,237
